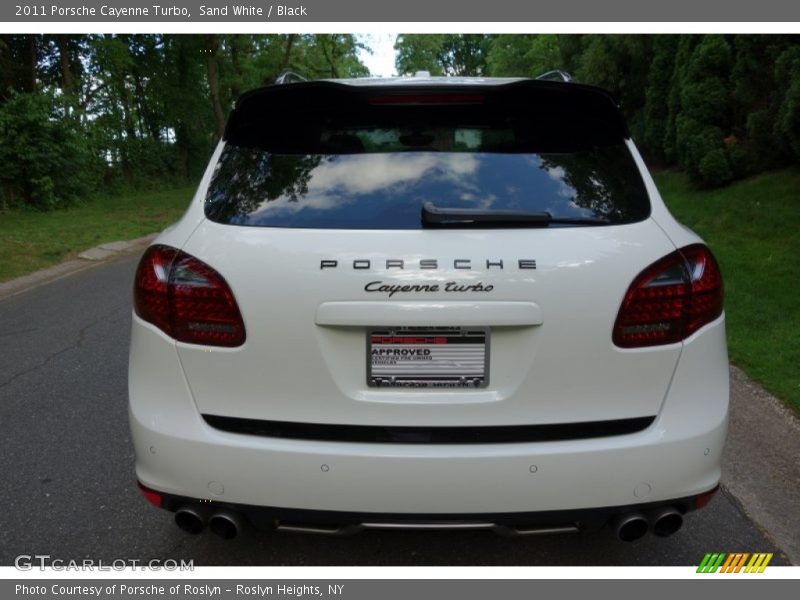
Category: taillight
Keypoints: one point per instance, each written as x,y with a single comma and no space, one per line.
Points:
186,299
670,299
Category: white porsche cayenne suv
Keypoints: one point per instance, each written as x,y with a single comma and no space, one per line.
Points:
428,303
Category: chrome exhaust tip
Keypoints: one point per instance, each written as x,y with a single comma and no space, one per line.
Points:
630,527
666,521
226,525
190,520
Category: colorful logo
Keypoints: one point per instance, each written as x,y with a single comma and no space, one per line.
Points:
736,562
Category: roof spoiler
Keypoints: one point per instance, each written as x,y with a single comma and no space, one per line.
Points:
277,109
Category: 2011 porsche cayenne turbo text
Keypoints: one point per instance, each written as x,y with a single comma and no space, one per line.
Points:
428,302
116,12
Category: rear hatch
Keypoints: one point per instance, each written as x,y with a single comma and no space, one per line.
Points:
439,256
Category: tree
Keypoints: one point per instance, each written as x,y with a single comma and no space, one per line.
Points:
704,122
656,104
787,123
47,161
446,54
524,55
19,63
212,70
620,64
134,110
141,110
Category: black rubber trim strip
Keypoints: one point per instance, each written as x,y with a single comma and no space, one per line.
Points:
429,435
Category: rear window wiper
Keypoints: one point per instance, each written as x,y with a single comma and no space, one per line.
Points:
433,217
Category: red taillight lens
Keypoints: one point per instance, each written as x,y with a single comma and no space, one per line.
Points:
707,289
152,496
150,299
186,299
670,299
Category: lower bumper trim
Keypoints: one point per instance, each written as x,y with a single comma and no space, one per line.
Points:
429,435
354,528
347,523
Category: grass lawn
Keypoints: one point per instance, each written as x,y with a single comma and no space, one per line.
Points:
752,228
32,240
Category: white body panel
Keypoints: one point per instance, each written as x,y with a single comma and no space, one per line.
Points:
552,361
290,356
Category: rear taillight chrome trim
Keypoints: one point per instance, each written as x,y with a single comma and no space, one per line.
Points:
187,299
671,299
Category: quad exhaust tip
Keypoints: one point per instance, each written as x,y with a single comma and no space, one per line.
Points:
630,527
226,525
662,521
666,521
190,520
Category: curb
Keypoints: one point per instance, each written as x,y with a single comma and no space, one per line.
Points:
761,462
86,259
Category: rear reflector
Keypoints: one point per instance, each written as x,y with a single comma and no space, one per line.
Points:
186,299
152,496
702,499
670,299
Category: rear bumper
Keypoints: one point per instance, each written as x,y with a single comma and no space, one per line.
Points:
676,457
348,523
449,479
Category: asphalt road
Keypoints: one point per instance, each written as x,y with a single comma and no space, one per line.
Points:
67,485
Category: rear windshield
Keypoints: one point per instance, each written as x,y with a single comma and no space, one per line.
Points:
373,176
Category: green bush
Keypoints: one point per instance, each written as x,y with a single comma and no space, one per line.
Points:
787,124
702,153
47,161
715,168
703,119
656,107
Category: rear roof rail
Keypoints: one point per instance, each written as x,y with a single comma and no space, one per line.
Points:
289,77
555,75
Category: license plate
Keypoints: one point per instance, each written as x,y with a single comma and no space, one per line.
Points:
443,357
